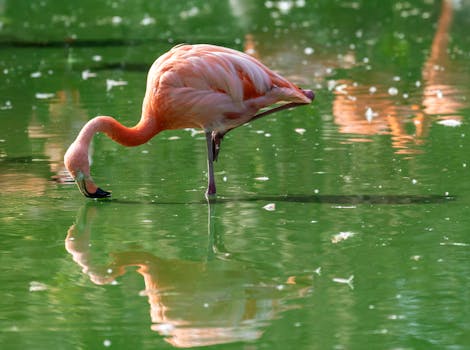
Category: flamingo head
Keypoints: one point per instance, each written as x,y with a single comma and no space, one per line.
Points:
77,163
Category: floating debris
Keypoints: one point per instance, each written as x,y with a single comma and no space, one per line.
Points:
44,95
110,83
300,131
370,114
116,20
147,20
36,75
35,286
450,122
87,74
270,207
393,91
6,105
342,236
309,50
456,244
262,178
347,281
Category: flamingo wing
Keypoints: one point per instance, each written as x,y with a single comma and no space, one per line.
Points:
213,88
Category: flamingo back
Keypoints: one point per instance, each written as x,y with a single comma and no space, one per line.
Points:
212,88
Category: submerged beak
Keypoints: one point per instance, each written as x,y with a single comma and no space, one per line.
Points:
98,193
309,94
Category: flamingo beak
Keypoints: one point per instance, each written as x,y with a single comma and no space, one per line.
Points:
309,94
82,180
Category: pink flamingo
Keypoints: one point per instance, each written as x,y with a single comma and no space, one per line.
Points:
192,86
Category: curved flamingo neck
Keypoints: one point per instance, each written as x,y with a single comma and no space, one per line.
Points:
127,136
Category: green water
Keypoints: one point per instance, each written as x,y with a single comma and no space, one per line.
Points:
340,225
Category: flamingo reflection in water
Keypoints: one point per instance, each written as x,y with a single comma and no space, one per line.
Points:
365,111
193,303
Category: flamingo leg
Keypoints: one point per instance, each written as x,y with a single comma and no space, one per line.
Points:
211,153
269,111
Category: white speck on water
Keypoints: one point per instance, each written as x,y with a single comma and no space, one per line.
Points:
347,281
147,20
97,58
280,287
370,114
193,11
439,94
297,324
342,236
206,305
6,105
163,328
318,271
456,244
262,178
114,283
36,75
174,138
110,83
415,257
331,84
393,91
86,74
43,95
109,271
267,134
144,151
414,181
417,83
309,50
313,221
396,317
147,221
405,95
450,122
372,90
270,207
35,286
340,88
116,20
107,343
396,78
224,179
300,131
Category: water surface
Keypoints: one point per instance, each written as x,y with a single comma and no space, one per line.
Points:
338,225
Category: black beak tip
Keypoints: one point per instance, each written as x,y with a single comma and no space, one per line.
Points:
99,194
310,94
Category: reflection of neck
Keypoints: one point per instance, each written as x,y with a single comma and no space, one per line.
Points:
441,38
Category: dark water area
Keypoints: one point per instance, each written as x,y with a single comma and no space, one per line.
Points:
343,224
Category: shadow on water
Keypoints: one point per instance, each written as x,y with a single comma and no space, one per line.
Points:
216,300
356,199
